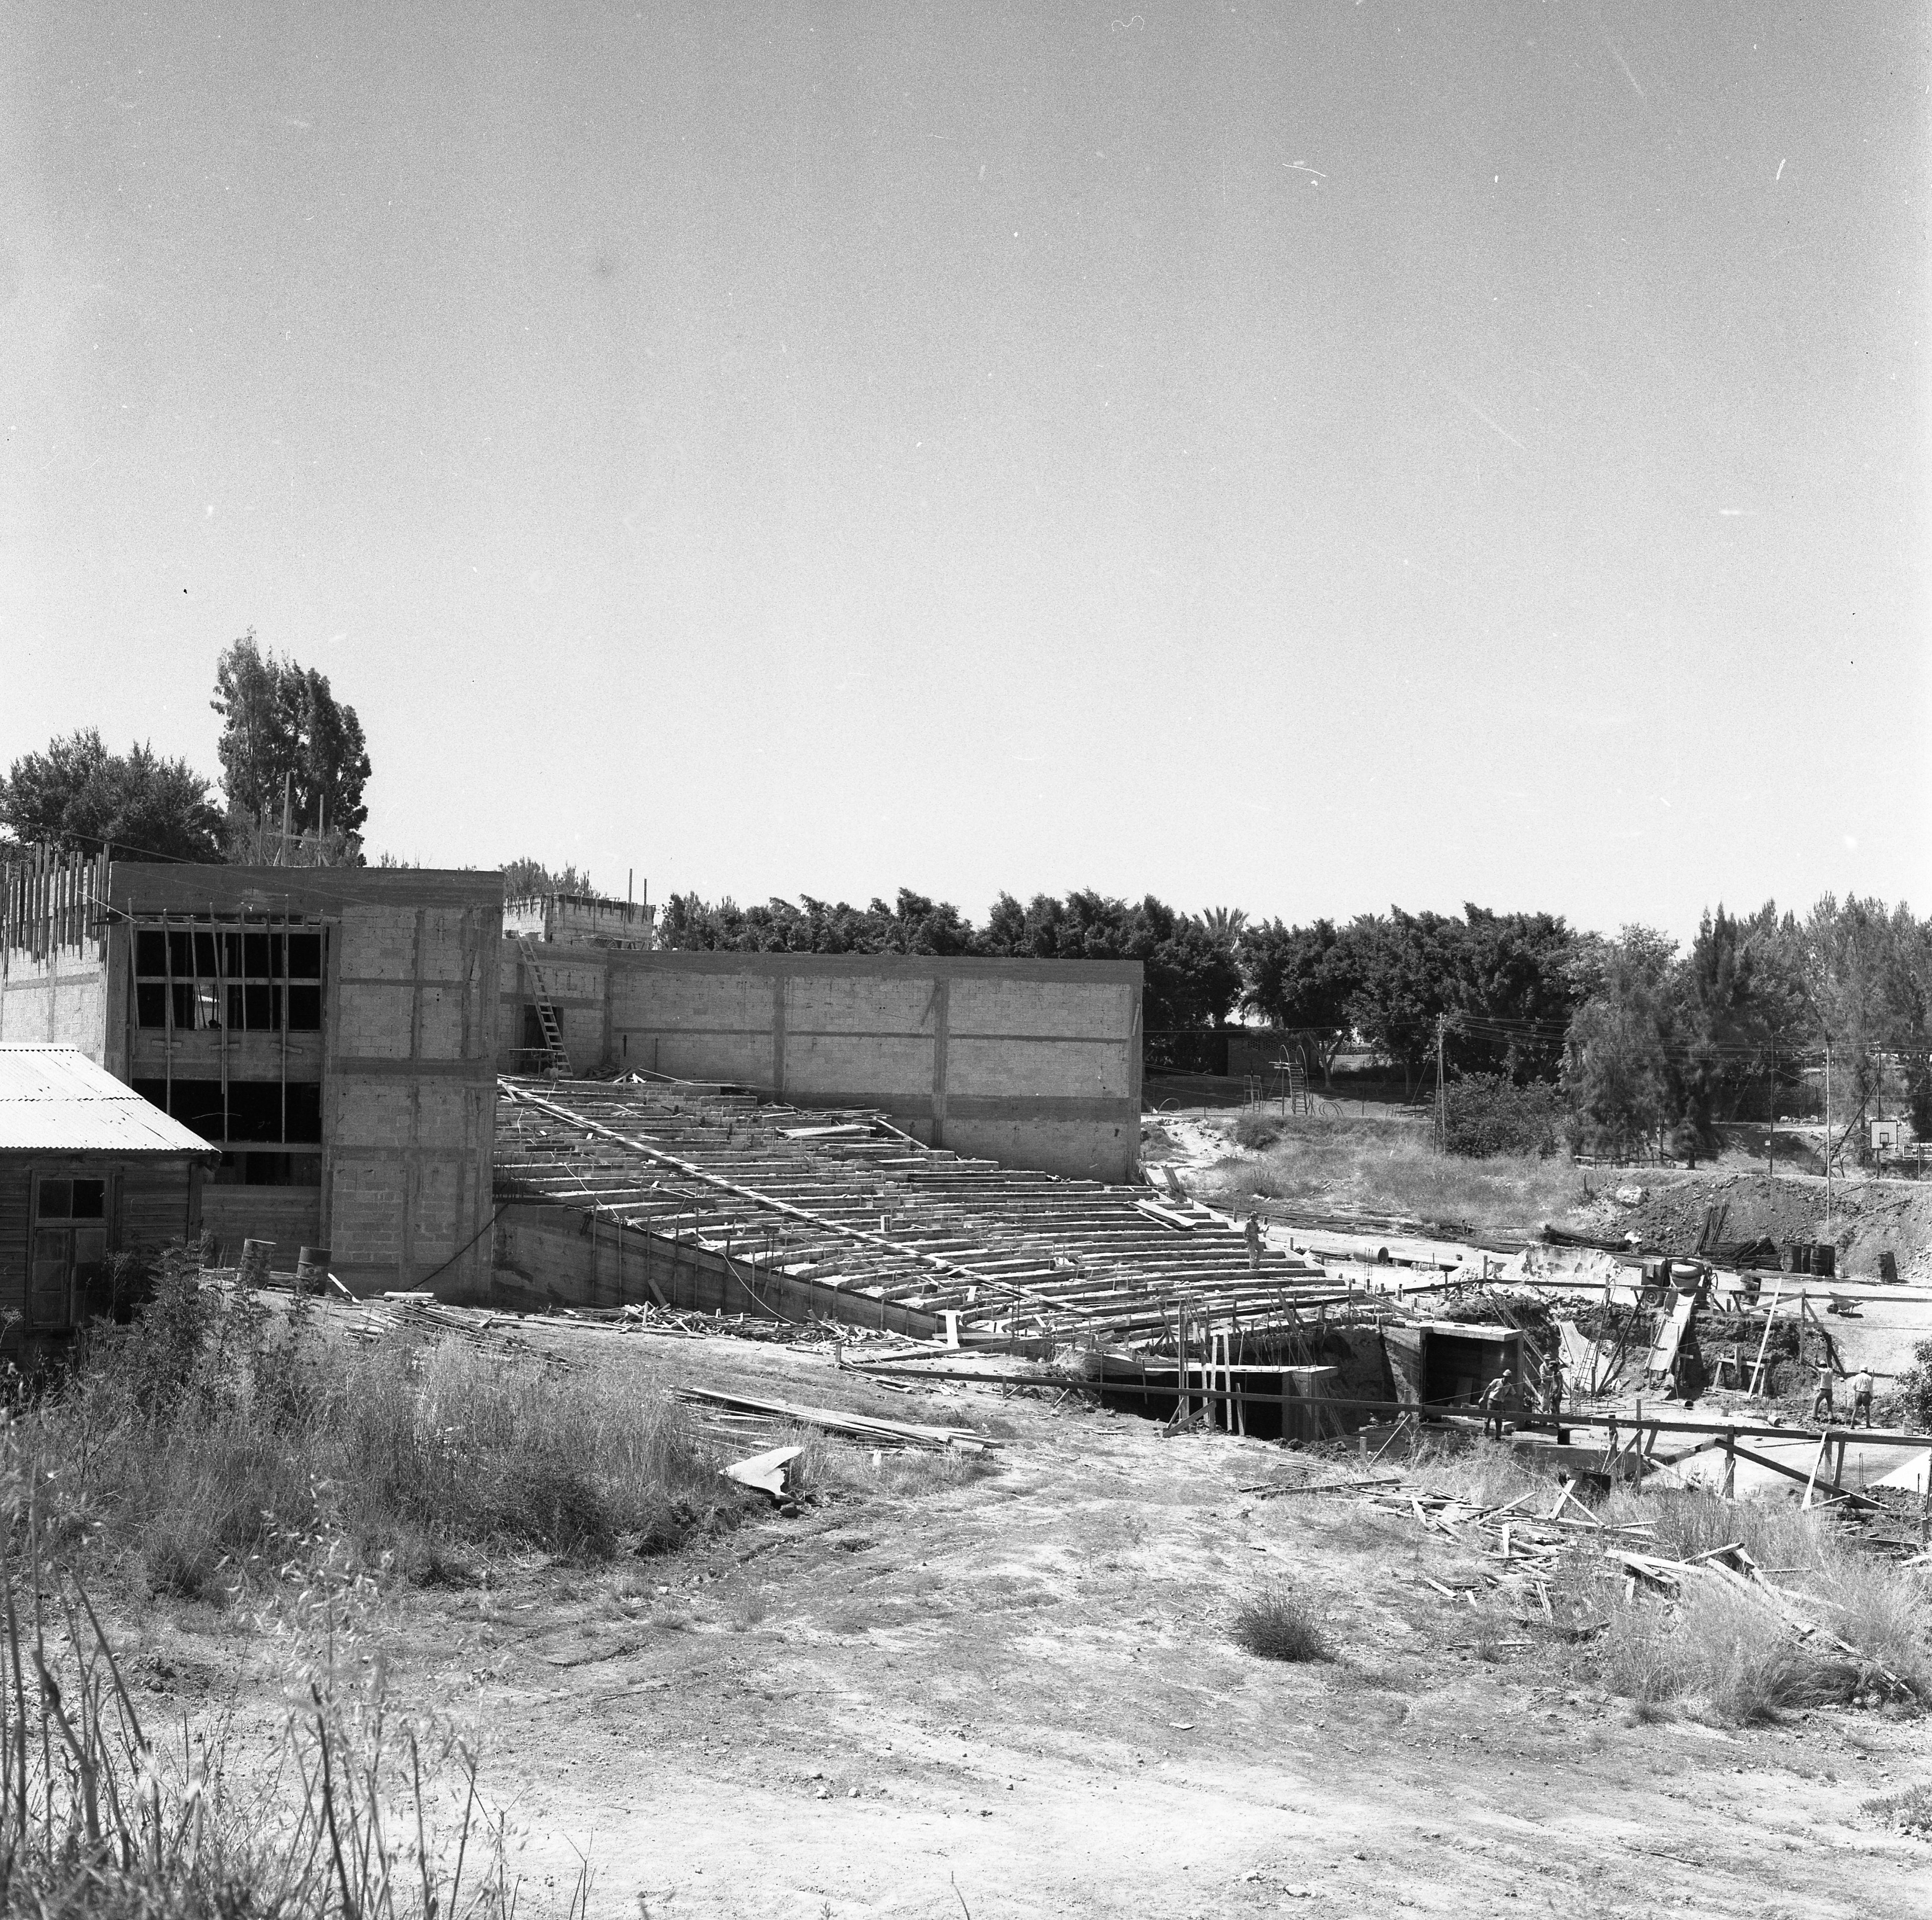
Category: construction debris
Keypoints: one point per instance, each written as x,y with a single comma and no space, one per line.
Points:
765,1472
853,1426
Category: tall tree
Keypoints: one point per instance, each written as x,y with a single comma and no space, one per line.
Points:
1302,978
912,924
528,880
1616,1068
284,735
78,795
1407,966
1190,980
1869,975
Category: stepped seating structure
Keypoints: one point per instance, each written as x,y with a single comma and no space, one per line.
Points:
870,1215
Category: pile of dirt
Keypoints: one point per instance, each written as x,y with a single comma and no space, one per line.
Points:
1869,1217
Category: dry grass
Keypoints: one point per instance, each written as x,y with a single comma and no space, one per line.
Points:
1716,1651
1907,1811
1881,1611
829,1469
1479,1475
1721,1653
1276,1624
369,1812
1392,1167
217,1444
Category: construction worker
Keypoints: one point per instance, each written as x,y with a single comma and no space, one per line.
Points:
1823,1411
1690,1371
1862,1397
1251,1233
1498,1397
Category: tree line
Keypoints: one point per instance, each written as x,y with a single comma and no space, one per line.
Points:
294,764
1636,1035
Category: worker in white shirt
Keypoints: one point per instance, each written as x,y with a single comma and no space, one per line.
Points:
1862,1396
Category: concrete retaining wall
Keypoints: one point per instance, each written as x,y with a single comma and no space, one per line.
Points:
557,1256
1032,1063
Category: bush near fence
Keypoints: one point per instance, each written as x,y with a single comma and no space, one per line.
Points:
1487,1115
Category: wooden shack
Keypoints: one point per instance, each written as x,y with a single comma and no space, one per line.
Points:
87,1168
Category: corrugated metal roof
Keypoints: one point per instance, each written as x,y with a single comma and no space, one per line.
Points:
55,1099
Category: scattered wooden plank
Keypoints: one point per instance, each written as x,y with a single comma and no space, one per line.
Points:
834,1421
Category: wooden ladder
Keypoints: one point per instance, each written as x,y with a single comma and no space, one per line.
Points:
556,1056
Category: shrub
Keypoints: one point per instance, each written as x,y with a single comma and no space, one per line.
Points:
1276,1624
1255,1129
1736,1657
1487,1115
1908,1811
1915,1387
218,1439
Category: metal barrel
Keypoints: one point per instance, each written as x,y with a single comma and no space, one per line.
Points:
254,1268
312,1269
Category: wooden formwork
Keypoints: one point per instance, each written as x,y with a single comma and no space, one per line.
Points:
843,1209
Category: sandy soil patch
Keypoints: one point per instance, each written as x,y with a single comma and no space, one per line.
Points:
1017,1696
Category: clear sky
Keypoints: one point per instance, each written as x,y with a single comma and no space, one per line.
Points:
1301,456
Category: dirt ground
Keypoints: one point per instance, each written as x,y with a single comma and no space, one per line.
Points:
1018,1696
1869,1216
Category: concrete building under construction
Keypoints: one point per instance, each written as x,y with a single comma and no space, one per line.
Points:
1034,1063
332,1031
337,1034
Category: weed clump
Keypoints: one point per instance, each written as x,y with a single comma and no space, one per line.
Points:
1276,1624
373,1813
1910,1811
1254,1130
1719,1651
215,1441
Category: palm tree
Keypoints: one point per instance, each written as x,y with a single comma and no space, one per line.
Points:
1225,924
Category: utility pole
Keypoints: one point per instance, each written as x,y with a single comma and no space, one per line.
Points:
1441,1094
1828,1137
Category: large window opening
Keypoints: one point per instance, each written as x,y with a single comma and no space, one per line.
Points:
247,1114
197,978
70,1254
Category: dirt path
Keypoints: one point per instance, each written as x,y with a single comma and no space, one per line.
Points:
1019,1695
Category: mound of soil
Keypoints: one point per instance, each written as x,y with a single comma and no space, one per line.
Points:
1869,1217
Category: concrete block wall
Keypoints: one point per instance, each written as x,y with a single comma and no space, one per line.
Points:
1035,1064
409,1091
578,980
59,1001
407,1054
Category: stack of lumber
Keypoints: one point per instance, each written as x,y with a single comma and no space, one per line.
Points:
836,1420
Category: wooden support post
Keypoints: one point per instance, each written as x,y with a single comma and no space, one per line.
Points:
1756,1386
1730,1468
1817,1462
